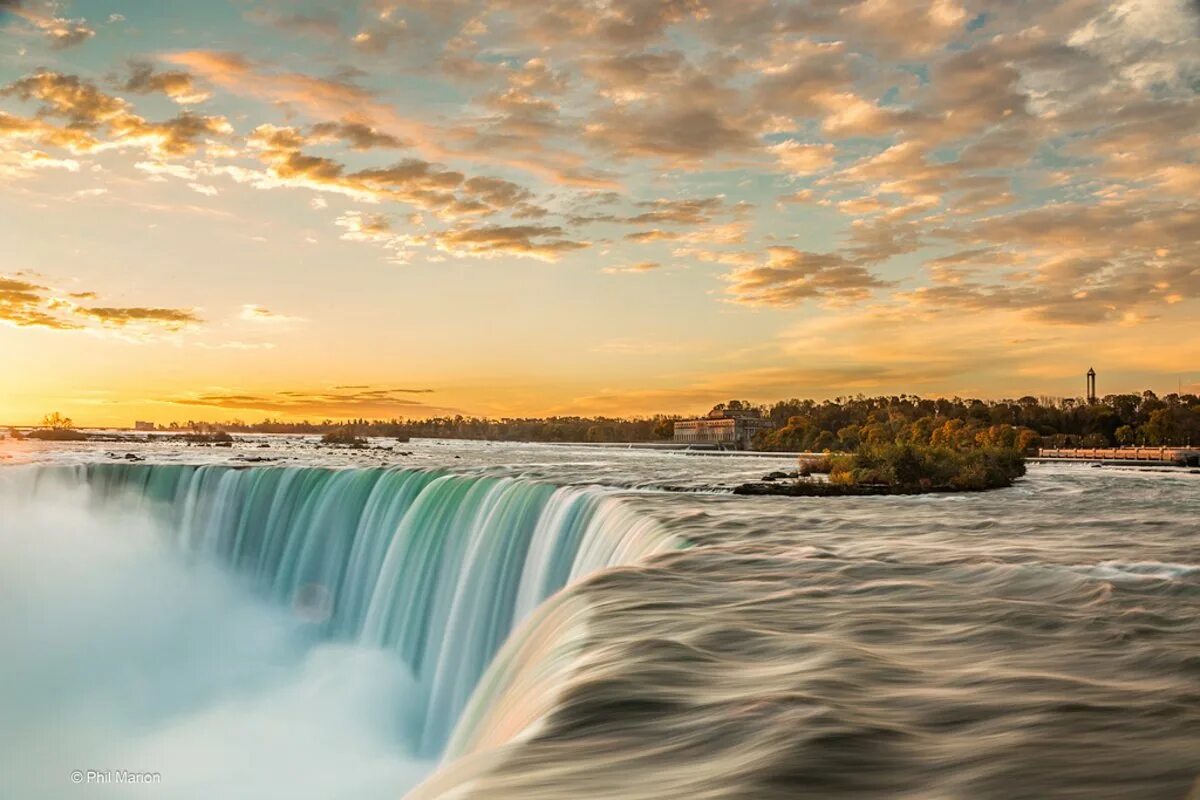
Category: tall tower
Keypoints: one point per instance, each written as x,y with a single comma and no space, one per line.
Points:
1091,385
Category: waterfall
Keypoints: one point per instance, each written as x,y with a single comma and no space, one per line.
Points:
437,567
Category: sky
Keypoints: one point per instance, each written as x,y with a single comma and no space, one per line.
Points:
406,208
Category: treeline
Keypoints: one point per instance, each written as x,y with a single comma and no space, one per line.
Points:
840,424
522,429
847,423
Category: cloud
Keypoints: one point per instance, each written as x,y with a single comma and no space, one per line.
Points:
59,32
377,229
681,117
359,135
1073,263
175,84
169,318
24,303
359,227
678,212
24,129
803,159
336,99
1144,44
384,31
547,243
618,25
322,98
338,402
258,314
636,269
788,276
448,193
722,233
1054,143
71,97
86,108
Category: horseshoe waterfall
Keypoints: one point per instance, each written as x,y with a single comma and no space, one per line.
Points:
419,572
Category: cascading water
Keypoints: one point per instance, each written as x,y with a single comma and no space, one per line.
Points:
433,567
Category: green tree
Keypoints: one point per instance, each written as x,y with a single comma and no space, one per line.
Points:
1161,427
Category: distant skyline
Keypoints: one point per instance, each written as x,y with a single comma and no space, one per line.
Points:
518,208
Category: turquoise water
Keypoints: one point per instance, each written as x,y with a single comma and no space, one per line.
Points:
428,570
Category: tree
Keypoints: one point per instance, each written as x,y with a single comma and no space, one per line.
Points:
57,422
1160,428
825,441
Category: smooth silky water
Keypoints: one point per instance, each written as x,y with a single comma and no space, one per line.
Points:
359,631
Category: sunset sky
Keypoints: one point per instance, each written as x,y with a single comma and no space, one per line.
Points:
215,209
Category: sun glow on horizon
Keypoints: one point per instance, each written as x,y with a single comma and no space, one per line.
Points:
219,210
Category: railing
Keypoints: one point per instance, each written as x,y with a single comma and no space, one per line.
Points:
1172,454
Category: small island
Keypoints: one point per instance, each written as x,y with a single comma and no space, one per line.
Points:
54,428
897,468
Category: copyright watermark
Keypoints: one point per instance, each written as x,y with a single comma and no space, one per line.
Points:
126,776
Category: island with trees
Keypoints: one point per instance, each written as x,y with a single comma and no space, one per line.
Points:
897,468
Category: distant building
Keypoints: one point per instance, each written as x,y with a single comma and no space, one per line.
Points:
730,429
141,425
1091,385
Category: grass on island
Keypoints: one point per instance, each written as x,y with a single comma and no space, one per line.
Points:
928,467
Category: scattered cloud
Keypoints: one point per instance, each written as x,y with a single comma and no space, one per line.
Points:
168,318
1032,162
258,314
175,84
547,243
27,303
359,135
338,402
787,276
90,113
803,159
59,32
640,267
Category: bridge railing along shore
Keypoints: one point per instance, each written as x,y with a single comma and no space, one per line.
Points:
1176,456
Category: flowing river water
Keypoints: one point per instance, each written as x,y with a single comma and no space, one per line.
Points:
468,620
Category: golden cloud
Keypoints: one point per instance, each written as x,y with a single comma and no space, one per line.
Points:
24,303
339,401
178,85
547,243
788,276
85,108
60,32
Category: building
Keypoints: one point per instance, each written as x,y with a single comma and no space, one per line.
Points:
141,425
733,430
1091,385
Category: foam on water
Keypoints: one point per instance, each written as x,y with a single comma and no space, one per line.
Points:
325,633
283,632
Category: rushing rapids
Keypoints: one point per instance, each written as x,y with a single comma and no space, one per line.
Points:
376,633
